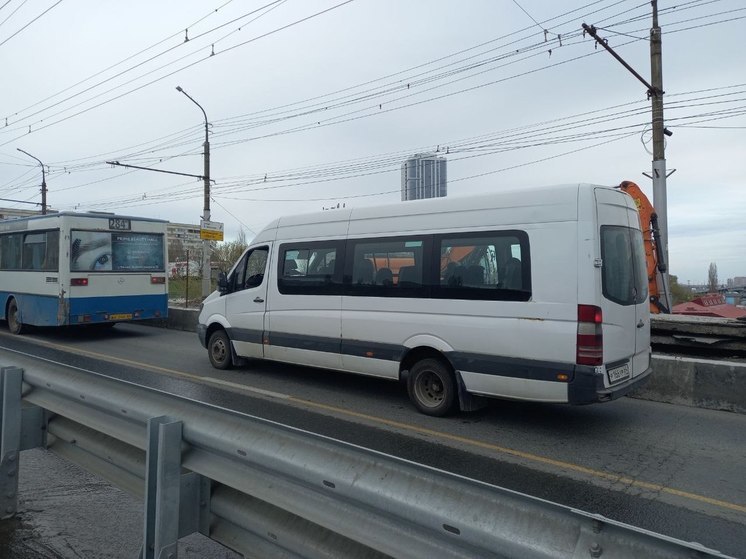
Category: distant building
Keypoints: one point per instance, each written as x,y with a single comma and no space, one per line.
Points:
183,237
739,281
14,213
423,176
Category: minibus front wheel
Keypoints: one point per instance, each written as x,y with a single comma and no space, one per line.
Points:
432,387
219,350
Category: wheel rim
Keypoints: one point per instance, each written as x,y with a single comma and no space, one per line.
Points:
219,351
429,389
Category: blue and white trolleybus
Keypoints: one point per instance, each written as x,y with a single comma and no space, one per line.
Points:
82,268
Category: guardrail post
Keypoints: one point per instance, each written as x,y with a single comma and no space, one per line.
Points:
195,496
162,489
11,379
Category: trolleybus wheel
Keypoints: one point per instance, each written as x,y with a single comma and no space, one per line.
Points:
14,322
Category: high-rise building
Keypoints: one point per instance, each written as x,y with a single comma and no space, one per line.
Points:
423,176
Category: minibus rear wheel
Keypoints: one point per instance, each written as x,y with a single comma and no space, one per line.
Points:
432,387
219,350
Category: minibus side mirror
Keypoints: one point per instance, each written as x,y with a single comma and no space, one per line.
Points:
222,283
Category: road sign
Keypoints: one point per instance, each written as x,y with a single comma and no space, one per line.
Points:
211,230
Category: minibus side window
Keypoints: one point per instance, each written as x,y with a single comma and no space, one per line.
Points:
238,276
255,266
490,266
249,272
310,268
387,267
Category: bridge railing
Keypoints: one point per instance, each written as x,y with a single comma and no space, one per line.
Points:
270,490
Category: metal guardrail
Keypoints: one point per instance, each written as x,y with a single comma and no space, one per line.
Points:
702,336
269,490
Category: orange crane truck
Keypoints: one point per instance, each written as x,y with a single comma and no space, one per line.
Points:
660,295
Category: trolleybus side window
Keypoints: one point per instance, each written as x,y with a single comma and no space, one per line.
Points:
37,251
10,252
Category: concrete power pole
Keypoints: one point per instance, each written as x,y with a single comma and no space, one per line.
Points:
655,94
659,175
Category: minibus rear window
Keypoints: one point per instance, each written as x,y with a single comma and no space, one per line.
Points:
624,278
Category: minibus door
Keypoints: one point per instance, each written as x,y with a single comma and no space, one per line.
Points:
618,301
246,303
641,361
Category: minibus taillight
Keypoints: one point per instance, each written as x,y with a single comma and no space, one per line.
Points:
79,281
590,344
157,279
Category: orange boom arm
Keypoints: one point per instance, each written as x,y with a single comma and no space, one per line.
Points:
653,253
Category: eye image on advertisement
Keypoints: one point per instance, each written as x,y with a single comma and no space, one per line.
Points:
90,250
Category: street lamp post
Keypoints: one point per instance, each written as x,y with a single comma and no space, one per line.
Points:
43,182
206,285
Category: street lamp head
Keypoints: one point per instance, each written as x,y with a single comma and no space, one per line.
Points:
178,88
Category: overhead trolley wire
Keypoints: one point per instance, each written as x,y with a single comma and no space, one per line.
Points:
282,28
13,12
332,8
488,144
30,22
100,72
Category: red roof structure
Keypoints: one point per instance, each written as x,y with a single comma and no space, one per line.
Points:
711,304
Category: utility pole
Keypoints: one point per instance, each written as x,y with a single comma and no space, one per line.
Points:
206,283
43,183
659,175
655,94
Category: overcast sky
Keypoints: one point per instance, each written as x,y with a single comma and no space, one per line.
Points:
317,102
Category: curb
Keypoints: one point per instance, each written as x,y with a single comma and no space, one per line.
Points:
699,383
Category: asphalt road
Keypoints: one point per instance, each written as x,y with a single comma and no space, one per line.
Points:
674,470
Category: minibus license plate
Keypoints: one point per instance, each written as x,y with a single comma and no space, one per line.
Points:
618,373
121,316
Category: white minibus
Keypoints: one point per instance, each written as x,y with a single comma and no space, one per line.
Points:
536,294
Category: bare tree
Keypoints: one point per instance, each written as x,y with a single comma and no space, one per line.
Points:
712,278
226,253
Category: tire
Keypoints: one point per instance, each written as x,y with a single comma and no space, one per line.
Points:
219,350
14,322
432,387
